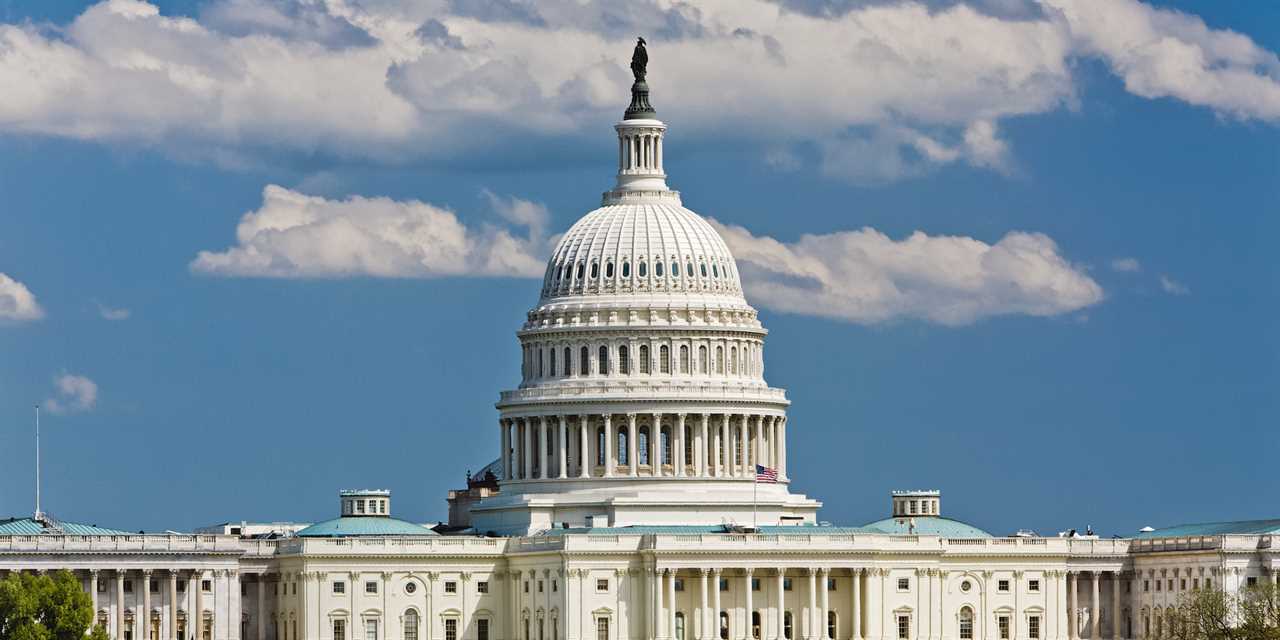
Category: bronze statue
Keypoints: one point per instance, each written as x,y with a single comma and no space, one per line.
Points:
639,60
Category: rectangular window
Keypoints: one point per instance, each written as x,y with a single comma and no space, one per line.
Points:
831,584
602,629
526,586
359,506
555,586
1002,586
482,629
724,584
1033,585
102,586
370,587
904,584
128,586
182,586
450,629
1033,627
1146,585
154,586
602,585
410,626
295,588
339,630
679,586
207,586
1003,622
540,586
1182,584
482,586
786,584
904,627
339,587
755,584
1158,583
370,630
1252,581
1171,584
450,586
966,627
1195,583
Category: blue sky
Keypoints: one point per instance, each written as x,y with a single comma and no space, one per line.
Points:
1114,362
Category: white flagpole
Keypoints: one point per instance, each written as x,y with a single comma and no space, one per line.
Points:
755,487
37,462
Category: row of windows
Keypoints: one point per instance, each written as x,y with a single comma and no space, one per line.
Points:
411,622
1002,586
903,624
371,587
1182,584
554,361
572,275
154,586
357,506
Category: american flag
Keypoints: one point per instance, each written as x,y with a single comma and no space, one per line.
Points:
765,474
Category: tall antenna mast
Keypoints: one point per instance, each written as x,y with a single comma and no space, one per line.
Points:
38,514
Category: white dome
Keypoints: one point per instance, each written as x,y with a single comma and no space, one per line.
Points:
652,247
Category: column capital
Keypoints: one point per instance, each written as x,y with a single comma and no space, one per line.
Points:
704,571
146,573
748,571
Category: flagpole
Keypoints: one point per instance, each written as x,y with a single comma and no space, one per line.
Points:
37,462
755,487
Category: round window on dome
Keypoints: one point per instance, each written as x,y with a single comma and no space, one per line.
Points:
410,587
965,586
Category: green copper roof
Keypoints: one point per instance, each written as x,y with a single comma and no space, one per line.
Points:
927,526
686,530
364,526
29,527
1240,527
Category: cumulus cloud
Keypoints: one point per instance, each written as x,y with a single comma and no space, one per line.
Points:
867,277
72,394
110,313
1126,265
17,303
294,235
1173,287
912,85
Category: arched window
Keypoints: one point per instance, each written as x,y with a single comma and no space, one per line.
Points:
540,369
786,625
603,361
679,625
703,367
657,268
715,271
601,446
553,363
724,625
595,270
684,358
664,359
831,624
755,625
568,360
675,269
644,358
411,625
623,455
704,269
719,359
642,445
584,362
644,271
608,270
733,360
624,360
688,444
688,269
581,267
626,269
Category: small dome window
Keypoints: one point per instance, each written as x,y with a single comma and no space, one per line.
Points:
704,269
643,270
626,269
688,269
715,272
675,269
581,268
608,270
657,269
595,270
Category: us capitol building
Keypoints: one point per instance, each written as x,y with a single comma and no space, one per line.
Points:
625,504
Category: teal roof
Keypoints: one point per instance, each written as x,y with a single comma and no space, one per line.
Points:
927,526
30,527
1243,527
678,530
364,526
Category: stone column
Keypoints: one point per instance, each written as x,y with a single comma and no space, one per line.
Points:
780,596
746,615
726,464
855,607
542,447
677,454
610,443
744,470
563,448
813,604
526,450
144,620
702,609
197,583
1116,628
874,610
760,457
715,599
655,446
825,575
261,616
701,447
782,449
506,451
119,626
671,603
584,449
1073,604
1095,606
93,593
633,446
658,611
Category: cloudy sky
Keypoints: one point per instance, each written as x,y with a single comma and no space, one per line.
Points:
253,251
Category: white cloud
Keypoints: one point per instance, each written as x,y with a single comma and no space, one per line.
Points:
17,303
110,313
1126,265
72,394
914,85
294,235
1173,287
867,277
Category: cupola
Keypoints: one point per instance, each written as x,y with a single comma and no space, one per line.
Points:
916,503
365,502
